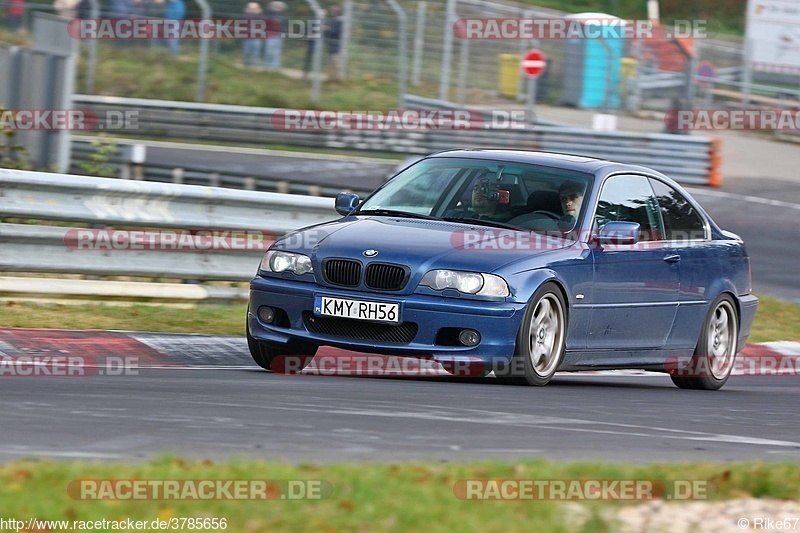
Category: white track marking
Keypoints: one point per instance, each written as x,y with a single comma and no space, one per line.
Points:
744,198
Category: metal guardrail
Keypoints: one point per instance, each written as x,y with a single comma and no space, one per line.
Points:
412,101
687,159
657,79
75,201
120,163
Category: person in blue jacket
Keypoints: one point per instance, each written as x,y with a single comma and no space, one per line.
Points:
176,10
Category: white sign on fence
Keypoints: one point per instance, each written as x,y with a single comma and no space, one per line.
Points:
773,35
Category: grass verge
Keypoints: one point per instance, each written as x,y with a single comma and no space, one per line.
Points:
775,320
211,319
378,497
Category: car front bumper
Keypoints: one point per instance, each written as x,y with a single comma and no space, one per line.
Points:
497,322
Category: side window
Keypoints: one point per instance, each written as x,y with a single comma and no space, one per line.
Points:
681,220
629,198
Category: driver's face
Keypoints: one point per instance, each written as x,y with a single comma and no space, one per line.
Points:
477,197
571,201
480,202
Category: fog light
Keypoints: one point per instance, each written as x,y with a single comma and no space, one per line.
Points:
469,337
266,314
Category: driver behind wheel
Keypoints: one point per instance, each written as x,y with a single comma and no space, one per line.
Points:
486,201
571,196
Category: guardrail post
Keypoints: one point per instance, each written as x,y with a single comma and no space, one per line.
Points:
317,57
402,50
177,175
202,63
419,43
347,30
91,60
463,67
447,51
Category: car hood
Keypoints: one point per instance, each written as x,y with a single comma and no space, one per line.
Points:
421,244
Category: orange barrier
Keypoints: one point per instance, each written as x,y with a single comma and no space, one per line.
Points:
715,162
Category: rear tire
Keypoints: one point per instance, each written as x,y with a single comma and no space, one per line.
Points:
541,340
714,356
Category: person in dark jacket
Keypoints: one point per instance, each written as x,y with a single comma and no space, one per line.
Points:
333,39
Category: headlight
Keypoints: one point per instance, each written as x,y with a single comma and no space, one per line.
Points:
466,282
278,261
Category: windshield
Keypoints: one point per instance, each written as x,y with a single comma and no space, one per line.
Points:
531,197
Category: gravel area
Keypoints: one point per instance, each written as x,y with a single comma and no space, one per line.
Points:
751,514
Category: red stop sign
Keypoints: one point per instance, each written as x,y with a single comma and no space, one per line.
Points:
534,63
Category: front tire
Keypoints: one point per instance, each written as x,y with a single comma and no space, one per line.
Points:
714,356
287,361
541,340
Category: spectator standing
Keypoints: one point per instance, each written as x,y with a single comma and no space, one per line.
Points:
139,8
66,8
15,9
84,9
176,10
274,43
120,9
251,48
156,9
311,41
333,39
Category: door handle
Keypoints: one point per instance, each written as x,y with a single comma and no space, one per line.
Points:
674,258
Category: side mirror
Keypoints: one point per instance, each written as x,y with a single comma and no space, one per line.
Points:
346,203
619,233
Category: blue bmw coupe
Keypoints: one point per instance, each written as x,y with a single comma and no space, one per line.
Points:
522,263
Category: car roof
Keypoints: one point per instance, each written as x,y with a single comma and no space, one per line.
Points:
574,162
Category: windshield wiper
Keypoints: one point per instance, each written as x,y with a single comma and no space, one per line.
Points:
484,222
394,213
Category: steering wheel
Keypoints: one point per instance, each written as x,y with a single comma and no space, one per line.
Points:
549,214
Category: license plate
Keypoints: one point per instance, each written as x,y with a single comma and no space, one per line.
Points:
357,309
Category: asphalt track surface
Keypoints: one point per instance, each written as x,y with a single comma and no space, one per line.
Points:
216,414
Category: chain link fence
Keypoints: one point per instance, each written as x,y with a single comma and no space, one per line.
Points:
436,64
